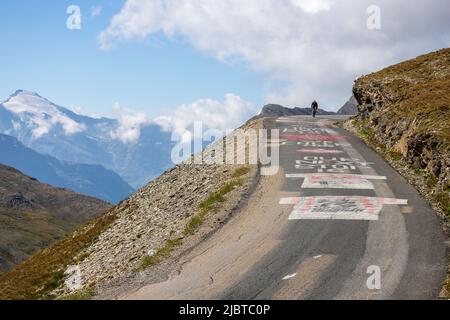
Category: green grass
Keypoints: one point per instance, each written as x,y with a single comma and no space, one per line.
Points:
242,171
85,294
162,253
395,155
367,134
417,89
443,198
208,205
211,203
212,200
431,180
80,258
193,224
230,186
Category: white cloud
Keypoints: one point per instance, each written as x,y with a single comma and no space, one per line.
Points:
129,124
79,110
316,47
213,114
96,11
70,126
42,124
313,6
40,127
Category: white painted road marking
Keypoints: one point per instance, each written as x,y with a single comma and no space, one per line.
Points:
334,165
305,175
338,207
289,276
320,150
336,181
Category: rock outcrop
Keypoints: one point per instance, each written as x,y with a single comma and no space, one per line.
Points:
405,109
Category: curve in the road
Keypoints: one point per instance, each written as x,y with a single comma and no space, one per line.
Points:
337,222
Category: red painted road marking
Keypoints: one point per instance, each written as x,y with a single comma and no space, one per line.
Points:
312,137
320,150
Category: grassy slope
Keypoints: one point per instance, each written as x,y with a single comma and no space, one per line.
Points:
418,92
34,215
43,272
25,232
418,89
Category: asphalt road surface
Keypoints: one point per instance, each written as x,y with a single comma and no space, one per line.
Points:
336,222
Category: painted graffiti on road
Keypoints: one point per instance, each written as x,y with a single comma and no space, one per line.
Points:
320,150
311,137
316,141
306,130
334,165
339,207
336,181
317,144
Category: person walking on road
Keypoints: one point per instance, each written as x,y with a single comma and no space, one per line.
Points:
314,108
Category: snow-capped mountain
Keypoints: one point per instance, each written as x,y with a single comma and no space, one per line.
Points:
51,129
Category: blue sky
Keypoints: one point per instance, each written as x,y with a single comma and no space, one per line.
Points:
68,67
165,53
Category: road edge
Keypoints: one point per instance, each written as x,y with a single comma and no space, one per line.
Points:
414,180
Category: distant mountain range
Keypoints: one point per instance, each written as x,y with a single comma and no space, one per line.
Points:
276,110
33,215
53,130
89,179
349,108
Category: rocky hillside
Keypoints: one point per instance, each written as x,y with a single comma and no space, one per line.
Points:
404,111
168,215
33,215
